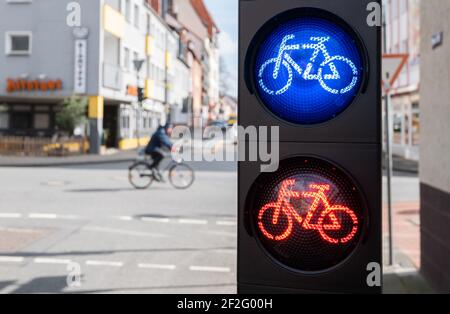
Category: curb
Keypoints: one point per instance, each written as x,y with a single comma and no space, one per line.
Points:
62,163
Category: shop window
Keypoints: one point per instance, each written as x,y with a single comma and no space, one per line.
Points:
42,121
21,121
398,129
21,108
4,120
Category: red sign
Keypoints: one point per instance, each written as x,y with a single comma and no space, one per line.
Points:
20,85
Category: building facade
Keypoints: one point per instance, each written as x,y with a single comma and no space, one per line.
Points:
435,144
46,59
199,35
402,20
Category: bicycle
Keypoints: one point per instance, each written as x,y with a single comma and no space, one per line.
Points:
329,213
318,46
141,174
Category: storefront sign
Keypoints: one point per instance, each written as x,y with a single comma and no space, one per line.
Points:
80,66
132,90
19,85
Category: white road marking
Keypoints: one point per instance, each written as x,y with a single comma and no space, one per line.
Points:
47,216
193,221
125,218
155,219
226,223
104,263
210,269
157,266
10,215
40,260
11,259
42,216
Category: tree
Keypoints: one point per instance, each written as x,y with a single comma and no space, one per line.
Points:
72,114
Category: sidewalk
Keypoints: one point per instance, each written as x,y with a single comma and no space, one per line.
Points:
404,278
23,161
403,165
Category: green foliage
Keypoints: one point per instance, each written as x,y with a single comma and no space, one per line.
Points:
72,114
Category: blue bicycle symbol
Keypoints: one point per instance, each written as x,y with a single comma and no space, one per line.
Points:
318,46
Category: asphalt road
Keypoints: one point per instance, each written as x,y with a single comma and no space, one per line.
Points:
87,226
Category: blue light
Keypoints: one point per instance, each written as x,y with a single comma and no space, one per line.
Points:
308,70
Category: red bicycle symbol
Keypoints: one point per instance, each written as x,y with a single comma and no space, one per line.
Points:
329,214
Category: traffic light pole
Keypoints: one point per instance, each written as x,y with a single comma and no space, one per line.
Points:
139,106
387,100
387,103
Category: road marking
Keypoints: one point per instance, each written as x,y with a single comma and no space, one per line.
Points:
11,259
193,221
210,269
226,223
104,263
40,260
42,216
125,218
157,266
155,219
10,215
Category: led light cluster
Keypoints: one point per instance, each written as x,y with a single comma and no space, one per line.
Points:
308,70
308,215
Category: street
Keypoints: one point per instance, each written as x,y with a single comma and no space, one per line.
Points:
159,240
122,240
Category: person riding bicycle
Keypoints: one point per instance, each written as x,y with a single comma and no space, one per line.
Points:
159,141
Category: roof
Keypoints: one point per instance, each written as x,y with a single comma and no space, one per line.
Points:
204,15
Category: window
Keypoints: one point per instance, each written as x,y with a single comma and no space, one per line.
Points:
4,120
41,121
18,43
136,15
126,59
149,24
128,10
135,57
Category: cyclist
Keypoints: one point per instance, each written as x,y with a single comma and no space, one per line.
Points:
159,141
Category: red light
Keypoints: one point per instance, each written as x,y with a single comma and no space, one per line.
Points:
308,215
283,205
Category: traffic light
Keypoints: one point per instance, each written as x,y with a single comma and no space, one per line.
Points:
140,92
312,68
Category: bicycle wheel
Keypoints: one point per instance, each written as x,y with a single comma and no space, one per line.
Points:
181,176
282,88
332,61
275,223
338,225
140,175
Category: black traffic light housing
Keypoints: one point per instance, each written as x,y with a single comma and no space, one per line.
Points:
141,96
351,142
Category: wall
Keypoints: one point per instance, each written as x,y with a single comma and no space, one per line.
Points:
435,145
52,44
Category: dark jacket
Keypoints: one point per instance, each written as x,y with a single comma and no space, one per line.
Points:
159,140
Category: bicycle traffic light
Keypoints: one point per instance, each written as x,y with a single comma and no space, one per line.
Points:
141,96
312,68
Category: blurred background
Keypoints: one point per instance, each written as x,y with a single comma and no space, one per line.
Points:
84,84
